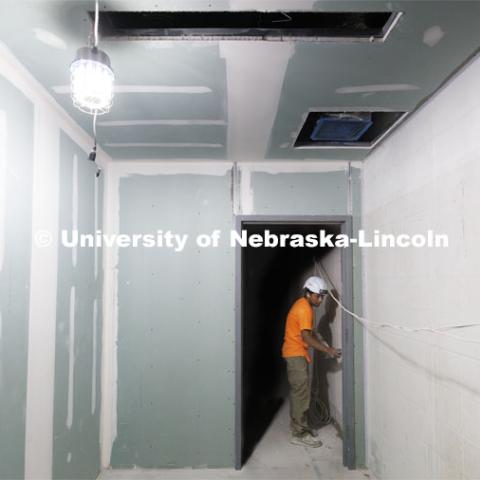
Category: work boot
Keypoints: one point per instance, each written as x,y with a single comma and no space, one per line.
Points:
305,441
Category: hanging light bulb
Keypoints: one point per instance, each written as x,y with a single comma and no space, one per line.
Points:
91,77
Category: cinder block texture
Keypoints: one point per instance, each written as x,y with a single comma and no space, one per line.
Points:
423,394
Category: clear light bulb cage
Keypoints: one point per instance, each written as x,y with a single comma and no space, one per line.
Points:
91,81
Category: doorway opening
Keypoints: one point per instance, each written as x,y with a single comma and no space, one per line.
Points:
269,280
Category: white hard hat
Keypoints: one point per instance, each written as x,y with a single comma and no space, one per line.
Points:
316,285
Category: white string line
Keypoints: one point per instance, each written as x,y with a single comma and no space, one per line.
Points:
366,322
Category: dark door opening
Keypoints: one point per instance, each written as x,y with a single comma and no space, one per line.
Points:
271,280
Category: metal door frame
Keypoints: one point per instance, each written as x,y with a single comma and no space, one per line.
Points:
348,370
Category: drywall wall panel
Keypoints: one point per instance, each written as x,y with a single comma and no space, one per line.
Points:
423,394
76,446
175,344
300,193
16,153
153,187
35,204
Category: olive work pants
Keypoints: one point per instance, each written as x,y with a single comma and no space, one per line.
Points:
297,374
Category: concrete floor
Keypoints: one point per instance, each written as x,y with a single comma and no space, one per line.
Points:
274,458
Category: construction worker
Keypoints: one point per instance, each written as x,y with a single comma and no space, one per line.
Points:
299,336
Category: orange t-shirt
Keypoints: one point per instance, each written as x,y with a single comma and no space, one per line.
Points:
300,317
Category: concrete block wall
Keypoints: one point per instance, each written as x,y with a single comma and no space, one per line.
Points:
50,297
423,390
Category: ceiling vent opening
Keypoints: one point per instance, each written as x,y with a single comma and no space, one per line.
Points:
346,129
341,127
252,25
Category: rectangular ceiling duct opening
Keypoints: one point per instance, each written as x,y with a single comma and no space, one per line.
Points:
338,129
250,25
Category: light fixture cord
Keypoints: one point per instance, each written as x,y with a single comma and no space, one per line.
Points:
95,128
95,28
95,134
95,41
93,154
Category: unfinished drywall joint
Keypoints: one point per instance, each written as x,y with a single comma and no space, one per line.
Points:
43,306
370,89
3,182
75,206
96,226
111,220
236,196
71,357
246,192
94,355
250,123
433,35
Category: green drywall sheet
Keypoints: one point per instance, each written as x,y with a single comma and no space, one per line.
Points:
175,326
76,449
317,71
309,193
16,113
318,74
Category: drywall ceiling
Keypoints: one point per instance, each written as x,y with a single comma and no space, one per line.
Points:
241,100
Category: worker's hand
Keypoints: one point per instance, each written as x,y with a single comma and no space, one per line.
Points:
334,352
